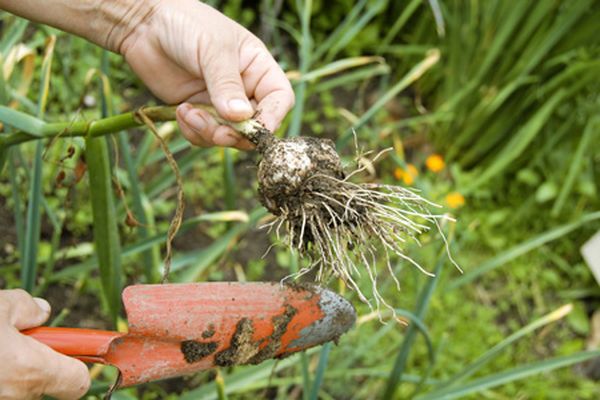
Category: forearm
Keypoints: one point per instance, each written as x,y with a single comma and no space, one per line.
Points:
105,23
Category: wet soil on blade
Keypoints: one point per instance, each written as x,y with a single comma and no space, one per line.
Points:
280,324
244,350
194,351
242,346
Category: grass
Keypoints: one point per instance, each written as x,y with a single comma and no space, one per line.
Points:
505,93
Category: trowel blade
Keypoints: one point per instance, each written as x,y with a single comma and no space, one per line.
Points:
176,329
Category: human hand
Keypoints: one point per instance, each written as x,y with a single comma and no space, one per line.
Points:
30,369
186,51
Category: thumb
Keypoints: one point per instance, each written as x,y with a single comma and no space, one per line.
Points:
21,310
224,83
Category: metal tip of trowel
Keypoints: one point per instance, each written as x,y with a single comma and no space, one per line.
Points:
338,317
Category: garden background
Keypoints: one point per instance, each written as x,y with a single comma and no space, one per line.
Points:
492,109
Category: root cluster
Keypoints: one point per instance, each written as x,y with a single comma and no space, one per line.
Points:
343,228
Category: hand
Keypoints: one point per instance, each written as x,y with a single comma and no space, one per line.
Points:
30,369
186,51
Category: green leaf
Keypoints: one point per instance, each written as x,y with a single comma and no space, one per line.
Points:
229,179
106,231
521,139
13,34
504,344
413,75
34,214
395,376
320,373
22,121
523,248
244,378
3,157
106,234
511,375
196,262
592,128
33,223
306,57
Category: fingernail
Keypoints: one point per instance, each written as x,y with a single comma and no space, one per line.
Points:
43,304
184,107
196,121
240,106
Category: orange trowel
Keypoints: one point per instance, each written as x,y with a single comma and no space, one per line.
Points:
177,329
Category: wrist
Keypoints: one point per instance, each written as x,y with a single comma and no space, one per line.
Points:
106,23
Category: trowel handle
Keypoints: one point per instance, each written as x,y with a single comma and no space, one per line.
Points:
74,341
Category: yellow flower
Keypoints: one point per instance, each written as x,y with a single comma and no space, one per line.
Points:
455,200
435,163
407,175
398,173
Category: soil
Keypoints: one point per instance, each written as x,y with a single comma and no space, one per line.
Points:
287,172
194,351
280,324
242,346
244,350
208,333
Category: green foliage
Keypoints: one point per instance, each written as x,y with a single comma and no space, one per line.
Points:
507,92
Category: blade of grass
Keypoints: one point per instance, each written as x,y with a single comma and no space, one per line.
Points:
408,11
106,231
13,34
106,234
34,213
373,9
591,128
519,141
165,179
196,262
505,31
498,348
220,382
245,377
438,17
395,376
306,383
306,49
562,26
334,68
7,155
4,155
523,248
176,145
511,375
320,373
143,245
413,75
359,75
337,34
21,121
17,200
57,226
229,179
150,257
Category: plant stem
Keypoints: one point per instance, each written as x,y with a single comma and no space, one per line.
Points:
251,128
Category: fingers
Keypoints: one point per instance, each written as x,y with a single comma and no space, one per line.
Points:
273,108
221,68
31,369
267,83
200,128
22,311
62,377
36,370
